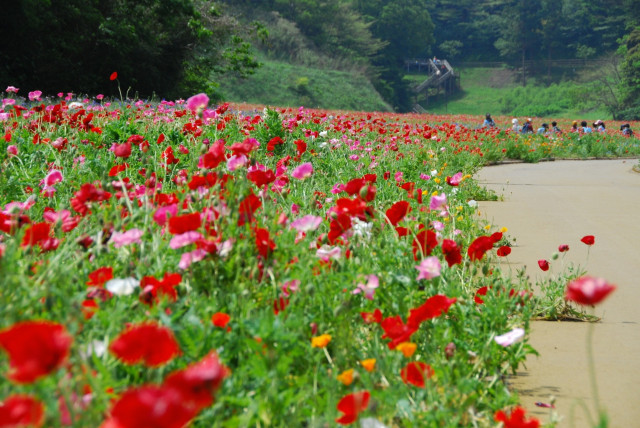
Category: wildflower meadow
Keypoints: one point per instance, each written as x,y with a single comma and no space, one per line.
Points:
170,264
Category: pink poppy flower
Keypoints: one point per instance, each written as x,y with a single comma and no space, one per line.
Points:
438,202
12,89
131,236
429,268
35,95
455,180
306,223
303,171
161,214
369,288
12,150
197,102
194,256
184,239
236,161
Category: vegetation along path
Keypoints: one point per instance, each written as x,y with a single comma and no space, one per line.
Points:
555,203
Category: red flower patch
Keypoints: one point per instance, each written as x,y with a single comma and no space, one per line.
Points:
588,290
351,405
416,373
516,419
149,343
433,307
35,349
479,247
588,240
199,382
21,411
451,252
397,212
184,223
503,251
424,242
150,406
544,265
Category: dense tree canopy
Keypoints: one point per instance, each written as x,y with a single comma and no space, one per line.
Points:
167,47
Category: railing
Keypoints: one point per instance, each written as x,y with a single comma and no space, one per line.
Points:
437,77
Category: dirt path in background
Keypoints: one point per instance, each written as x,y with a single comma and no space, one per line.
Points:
555,203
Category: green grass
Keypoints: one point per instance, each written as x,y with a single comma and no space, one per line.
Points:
498,91
282,84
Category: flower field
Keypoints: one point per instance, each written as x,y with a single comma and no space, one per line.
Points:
175,263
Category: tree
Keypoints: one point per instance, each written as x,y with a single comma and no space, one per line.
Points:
406,27
164,47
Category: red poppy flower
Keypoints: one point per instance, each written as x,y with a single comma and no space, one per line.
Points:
351,405
588,290
371,317
36,234
433,307
98,277
544,265
35,348
199,382
220,319
113,76
396,330
261,178
416,373
264,243
516,419
451,252
482,291
479,247
562,248
153,289
588,239
122,150
150,406
424,242
184,223
21,411
503,251
149,343
247,208
397,212
338,226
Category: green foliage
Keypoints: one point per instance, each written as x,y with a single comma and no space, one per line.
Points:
283,84
166,47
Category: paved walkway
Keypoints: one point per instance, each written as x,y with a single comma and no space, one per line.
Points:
553,203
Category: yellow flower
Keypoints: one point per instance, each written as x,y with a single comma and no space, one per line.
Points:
435,193
460,218
346,377
369,364
320,341
503,230
437,180
487,227
407,348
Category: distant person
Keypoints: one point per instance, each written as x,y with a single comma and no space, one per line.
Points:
626,130
543,129
599,126
488,122
436,61
574,126
555,129
527,128
515,126
585,128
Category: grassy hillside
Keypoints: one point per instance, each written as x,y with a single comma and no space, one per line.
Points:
497,91
288,85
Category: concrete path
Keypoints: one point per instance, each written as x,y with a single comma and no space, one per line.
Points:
553,203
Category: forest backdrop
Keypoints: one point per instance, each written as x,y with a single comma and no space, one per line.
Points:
174,48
